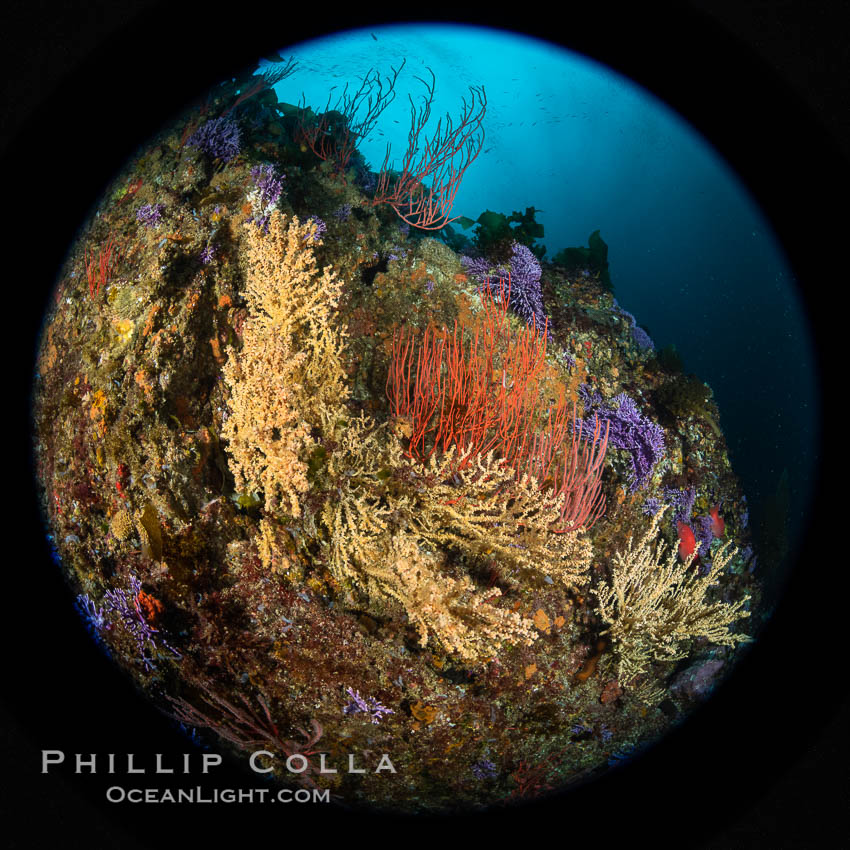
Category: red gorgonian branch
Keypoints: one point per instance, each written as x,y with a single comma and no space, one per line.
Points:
99,269
442,160
247,728
334,134
278,69
480,391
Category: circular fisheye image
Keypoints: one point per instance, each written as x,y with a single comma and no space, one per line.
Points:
415,427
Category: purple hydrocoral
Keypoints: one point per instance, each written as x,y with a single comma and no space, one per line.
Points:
526,299
268,183
392,255
321,229
268,187
481,267
628,429
150,214
639,335
484,769
369,706
95,617
568,360
624,313
219,138
642,339
704,536
745,513
126,607
682,502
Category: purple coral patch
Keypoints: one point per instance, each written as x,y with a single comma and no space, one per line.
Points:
218,138
526,299
370,706
628,429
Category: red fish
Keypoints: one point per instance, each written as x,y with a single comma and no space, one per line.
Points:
718,524
687,541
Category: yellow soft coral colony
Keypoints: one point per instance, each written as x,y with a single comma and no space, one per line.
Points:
489,510
379,541
655,605
289,367
463,619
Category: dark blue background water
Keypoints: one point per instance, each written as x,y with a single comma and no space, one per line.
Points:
691,255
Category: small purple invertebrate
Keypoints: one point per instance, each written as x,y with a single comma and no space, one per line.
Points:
369,706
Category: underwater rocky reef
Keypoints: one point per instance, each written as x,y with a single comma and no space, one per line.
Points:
332,481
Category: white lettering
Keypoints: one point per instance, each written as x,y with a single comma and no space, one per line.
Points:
248,794
304,763
89,763
210,759
388,766
253,761
51,757
322,768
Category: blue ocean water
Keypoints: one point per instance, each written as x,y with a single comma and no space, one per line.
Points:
690,253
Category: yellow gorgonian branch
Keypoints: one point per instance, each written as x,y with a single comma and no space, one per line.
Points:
655,605
289,367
